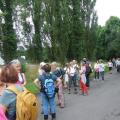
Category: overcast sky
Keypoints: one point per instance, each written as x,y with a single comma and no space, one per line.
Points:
107,8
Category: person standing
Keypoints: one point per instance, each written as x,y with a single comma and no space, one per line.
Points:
59,72
48,84
96,70
72,77
110,65
87,73
101,69
9,76
83,86
21,76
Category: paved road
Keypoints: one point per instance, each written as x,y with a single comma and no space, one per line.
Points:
103,102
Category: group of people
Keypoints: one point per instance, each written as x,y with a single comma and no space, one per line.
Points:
51,81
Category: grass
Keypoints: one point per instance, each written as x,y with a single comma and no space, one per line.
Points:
31,74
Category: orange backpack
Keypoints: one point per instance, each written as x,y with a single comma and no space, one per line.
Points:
26,104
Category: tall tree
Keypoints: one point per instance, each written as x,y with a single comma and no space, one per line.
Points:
9,41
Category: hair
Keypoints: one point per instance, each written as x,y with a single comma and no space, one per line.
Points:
54,63
15,61
47,68
9,74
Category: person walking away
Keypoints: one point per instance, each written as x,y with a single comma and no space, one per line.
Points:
101,69
83,86
96,70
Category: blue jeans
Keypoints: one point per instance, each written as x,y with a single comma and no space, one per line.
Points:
48,102
39,95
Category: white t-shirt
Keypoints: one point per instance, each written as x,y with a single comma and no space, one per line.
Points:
20,77
110,64
72,71
82,74
101,67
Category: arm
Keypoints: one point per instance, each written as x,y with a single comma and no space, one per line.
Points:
4,108
58,82
24,78
37,83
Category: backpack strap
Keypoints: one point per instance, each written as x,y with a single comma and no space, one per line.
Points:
14,89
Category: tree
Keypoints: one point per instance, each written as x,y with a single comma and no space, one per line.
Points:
9,41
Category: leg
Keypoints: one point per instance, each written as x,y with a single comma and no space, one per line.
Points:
70,83
74,83
45,106
52,107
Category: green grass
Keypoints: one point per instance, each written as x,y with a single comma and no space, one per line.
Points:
31,74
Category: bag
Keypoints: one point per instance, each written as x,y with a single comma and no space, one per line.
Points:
26,104
49,88
2,114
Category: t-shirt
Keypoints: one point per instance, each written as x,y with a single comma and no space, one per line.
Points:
96,67
101,67
45,76
110,64
8,99
59,72
20,78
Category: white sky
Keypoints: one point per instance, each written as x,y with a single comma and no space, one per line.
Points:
107,8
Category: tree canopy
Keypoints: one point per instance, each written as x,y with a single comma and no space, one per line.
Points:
55,30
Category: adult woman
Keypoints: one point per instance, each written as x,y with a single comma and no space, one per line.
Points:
21,76
9,76
48,101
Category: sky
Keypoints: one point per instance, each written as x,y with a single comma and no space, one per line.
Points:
107,8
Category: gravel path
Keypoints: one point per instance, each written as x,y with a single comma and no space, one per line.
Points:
103,102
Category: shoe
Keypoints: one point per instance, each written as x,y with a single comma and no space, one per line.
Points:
53,119
42,112
62,106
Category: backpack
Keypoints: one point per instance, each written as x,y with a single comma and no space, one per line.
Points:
49,87
26,104
2,114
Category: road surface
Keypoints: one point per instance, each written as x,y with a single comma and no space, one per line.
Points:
103,102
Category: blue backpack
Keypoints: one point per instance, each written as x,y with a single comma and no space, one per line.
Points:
49,87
